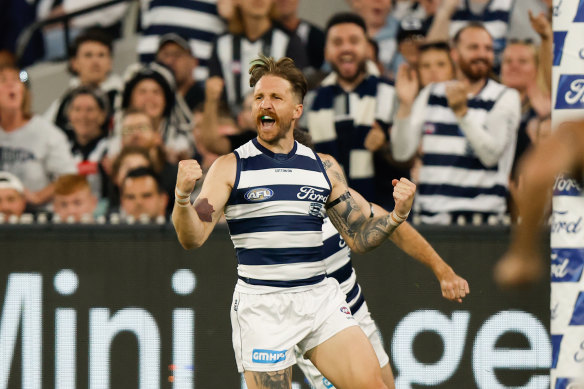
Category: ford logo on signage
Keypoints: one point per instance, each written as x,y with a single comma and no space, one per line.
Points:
566,186
570,92
579,18
259,194
567,265
559,41
578,313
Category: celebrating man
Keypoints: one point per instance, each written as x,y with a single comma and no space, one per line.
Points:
274,192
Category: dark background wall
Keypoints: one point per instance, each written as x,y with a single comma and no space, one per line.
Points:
495,339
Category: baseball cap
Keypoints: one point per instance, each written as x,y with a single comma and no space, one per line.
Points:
10,181
410,28
173,37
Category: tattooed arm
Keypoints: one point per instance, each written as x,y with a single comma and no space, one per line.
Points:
193,224
361,233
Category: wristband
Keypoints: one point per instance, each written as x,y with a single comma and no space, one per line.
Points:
400,218
180,193
395,220
183,202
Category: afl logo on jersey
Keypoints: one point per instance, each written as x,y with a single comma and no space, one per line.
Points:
346,310
259,194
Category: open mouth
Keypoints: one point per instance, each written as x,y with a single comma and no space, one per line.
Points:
267,121
346,63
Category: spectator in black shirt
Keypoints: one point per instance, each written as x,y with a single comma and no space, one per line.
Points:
175,52
86,111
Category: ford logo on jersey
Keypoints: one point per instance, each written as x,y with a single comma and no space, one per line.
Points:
567,265
312,194
566,186
259,194
570,92
268,356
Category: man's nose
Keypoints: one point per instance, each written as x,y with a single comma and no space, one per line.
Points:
266,103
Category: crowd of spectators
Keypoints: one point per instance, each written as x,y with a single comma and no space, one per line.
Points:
427,89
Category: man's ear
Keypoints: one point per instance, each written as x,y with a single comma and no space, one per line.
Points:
298,111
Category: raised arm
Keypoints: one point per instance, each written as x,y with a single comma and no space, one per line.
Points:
406,132
411,242
194,223
440,28
361,233
543,27
209,126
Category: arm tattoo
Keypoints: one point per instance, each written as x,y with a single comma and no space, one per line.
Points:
281,379
336,172
204,210
366,233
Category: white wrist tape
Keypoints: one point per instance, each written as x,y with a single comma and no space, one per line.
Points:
186,202
180,193
395,220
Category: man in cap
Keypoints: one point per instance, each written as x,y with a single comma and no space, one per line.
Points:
12,201
175,52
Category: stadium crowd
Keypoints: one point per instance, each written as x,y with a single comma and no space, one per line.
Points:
429,89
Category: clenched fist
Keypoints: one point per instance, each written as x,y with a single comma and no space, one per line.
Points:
454,287
403,194
189,172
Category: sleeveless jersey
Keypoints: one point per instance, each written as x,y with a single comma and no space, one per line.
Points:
275,214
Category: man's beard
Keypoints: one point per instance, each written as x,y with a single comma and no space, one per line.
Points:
361,69
475,75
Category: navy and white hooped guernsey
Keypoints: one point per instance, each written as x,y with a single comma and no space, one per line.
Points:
337,259
275,214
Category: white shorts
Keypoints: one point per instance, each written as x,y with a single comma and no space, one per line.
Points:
267,327
363,317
